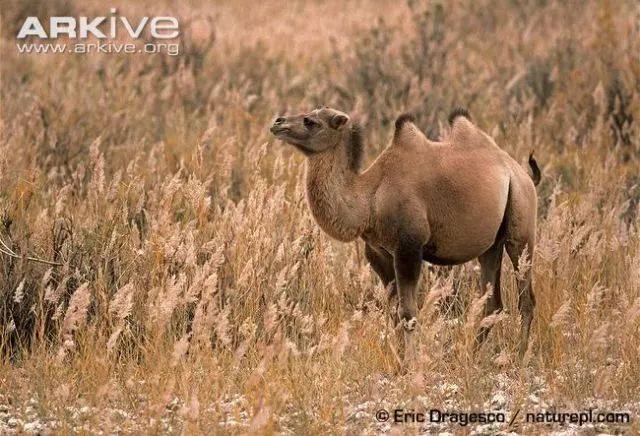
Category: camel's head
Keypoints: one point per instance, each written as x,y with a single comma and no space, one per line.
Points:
312,132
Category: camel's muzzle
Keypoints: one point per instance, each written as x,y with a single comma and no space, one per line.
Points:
276,129
279,126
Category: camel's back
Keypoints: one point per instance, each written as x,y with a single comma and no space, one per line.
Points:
468,163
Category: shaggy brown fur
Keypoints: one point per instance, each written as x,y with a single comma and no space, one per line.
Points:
444,202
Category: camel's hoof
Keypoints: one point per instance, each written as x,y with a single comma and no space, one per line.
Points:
409,325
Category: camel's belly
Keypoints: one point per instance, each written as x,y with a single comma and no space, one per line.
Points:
465,213
463,237
467,230
452,244
458,250
463,209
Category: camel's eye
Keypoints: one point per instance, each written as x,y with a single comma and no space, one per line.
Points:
309,123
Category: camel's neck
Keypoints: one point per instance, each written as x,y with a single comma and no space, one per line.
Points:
337,198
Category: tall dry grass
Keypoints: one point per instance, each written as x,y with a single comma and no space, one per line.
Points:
194,291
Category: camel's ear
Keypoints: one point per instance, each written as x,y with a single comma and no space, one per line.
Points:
338,120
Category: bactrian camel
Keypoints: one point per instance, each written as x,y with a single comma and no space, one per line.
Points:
442,202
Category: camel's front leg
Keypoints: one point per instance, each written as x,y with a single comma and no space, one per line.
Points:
382,263
407,261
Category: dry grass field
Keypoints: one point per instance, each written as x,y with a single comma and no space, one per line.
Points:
194,293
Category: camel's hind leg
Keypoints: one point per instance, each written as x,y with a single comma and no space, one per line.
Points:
520,238
491,265
526,299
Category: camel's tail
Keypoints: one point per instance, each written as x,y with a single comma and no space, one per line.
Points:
536,174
